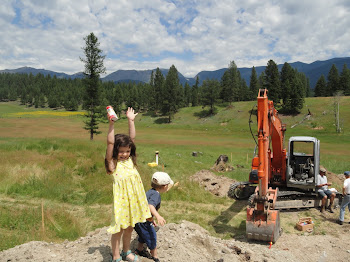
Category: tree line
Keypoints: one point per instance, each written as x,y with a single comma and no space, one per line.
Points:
163,95
335,84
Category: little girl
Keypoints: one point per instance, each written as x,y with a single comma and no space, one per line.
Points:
130,204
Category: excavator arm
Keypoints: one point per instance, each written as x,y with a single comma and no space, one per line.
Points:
263,222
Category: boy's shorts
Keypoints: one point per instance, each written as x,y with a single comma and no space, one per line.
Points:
147,234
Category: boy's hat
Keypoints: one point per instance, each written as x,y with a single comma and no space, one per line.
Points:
161,179
347,173
322,169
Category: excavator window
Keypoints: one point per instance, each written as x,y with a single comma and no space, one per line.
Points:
301,148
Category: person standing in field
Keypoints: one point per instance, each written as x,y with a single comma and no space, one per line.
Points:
130,204
346,197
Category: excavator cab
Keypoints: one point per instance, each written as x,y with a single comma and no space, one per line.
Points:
303,162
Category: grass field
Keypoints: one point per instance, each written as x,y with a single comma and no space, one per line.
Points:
50,169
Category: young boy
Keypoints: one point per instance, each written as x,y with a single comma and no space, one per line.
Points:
161,182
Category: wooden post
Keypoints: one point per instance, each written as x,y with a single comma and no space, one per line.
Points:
42,218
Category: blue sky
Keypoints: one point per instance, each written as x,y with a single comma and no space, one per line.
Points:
193,35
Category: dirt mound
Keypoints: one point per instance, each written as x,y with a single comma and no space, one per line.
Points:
337,180
189,242
217,185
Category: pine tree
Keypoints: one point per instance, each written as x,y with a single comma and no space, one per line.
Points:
195,93
171,93
293,86
158,89
272,82
254,85
230,84
187,95
344,81
211,92
93,68
287,78
152,93
321,86
333,81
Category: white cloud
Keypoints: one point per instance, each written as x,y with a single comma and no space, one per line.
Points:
192,35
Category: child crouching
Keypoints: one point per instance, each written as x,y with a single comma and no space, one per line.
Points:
161,182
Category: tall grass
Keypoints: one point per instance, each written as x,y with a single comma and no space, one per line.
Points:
49,159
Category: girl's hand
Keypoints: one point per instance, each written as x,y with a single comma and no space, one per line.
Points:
130,114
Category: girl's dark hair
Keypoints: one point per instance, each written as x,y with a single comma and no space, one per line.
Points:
121,140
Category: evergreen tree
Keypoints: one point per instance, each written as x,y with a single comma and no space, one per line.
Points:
210,94
231,84
118,99
333,81
321,86
93,68
158,89
344,81
171,93
195,93
152,93
187,95
261,81
254,85
287,77
293,86
296,96
272,82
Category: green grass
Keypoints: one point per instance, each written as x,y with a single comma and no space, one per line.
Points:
49,159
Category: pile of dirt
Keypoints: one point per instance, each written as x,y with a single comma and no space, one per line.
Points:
337,180
217,185
189,242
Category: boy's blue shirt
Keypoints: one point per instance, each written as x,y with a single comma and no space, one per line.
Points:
153,198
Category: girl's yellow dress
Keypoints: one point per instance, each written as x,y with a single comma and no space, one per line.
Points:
130,204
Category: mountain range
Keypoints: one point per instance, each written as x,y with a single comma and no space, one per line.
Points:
313,71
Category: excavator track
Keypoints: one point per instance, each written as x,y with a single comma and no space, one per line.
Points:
240,190
286,199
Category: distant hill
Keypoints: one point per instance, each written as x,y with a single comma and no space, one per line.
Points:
313,71
140,76
34,71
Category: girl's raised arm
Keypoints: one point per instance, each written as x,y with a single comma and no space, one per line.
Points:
130,114
110,166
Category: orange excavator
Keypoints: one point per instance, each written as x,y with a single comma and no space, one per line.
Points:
278,179
263,221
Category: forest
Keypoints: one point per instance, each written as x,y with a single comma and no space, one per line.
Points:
165,95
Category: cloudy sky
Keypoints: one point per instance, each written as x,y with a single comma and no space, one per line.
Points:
193,35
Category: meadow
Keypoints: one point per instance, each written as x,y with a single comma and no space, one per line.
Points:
53,185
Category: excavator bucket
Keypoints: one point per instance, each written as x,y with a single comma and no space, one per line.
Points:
268,230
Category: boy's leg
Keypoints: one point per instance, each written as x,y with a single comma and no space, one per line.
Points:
139,246
154,253
115,241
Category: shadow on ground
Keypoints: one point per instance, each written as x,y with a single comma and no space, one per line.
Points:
221,223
